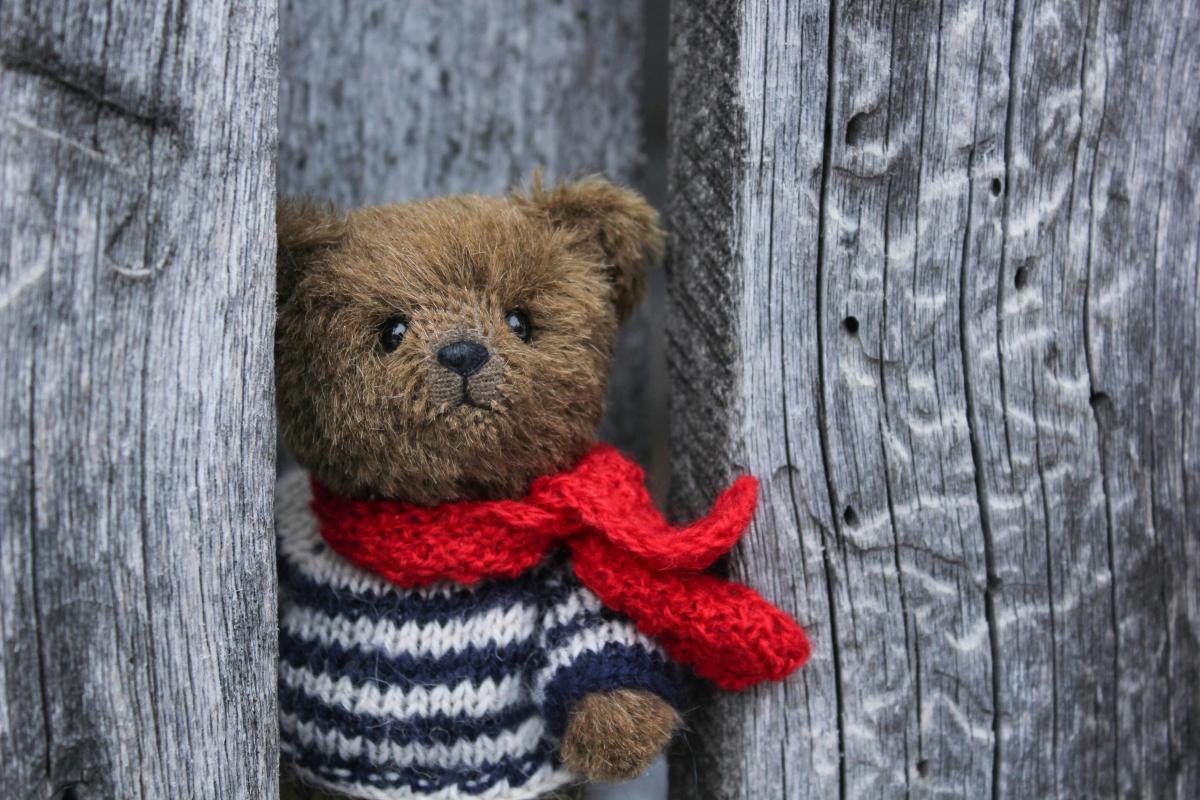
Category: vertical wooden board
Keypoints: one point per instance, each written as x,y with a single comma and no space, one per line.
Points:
747,141
1175,436
1036,452
703,119
383,102
917,702
1139,232
137,578
778,241
966,333
1089,117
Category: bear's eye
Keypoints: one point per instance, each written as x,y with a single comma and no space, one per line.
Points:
391,333
518,323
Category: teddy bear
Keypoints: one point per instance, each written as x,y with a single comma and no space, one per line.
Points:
476,599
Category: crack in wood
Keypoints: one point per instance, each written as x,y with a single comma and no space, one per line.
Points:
49,67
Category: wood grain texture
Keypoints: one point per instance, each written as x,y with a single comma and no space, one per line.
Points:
137,596
387,101
934,279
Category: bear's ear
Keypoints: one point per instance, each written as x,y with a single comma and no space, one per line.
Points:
617,221
305,229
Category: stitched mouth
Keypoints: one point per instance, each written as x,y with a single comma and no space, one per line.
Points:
467,400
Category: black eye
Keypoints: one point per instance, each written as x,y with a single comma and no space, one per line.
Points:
391,333
518,323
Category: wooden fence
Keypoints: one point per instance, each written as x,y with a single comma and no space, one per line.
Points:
934,276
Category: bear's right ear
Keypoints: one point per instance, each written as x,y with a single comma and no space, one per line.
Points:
305,229
616,221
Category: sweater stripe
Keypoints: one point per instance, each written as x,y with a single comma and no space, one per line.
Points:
498,626
425,605
430,729
501,625
547,778
481,751
475,664
515,770
468,698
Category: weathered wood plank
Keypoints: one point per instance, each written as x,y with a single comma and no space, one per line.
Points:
137,600
383,101
934,278
735,398
1135,223
910,560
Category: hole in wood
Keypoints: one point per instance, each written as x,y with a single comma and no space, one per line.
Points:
997,187
1100,401
850,516
68,792
1052,355
1021,278
855,128
923,767
851,325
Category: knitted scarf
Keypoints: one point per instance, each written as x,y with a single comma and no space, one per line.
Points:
621,547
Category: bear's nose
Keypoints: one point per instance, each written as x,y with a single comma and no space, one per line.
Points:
463,357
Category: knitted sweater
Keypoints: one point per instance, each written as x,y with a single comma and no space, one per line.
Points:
443,692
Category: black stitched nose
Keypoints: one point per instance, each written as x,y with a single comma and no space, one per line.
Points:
465,358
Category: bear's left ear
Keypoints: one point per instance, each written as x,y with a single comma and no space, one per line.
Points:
305,229
617,221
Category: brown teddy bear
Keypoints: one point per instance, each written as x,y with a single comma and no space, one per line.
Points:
476,600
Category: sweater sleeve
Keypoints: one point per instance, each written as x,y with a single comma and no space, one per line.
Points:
585,647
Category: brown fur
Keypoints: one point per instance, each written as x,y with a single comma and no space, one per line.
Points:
614,736
371,423
617,227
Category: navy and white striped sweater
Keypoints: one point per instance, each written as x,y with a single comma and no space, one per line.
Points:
445,692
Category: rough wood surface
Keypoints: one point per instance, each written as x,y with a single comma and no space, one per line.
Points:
137,599
383,101
934,278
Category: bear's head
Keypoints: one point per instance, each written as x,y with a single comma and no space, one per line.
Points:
453,348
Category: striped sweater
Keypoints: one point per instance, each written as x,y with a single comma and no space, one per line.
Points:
443,692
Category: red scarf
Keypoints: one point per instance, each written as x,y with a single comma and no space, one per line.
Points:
622,549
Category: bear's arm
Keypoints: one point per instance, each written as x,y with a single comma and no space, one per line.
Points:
587,649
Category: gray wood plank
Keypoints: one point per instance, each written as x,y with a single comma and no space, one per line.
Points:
383,101
735,399
934,279
137,597
1135,223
